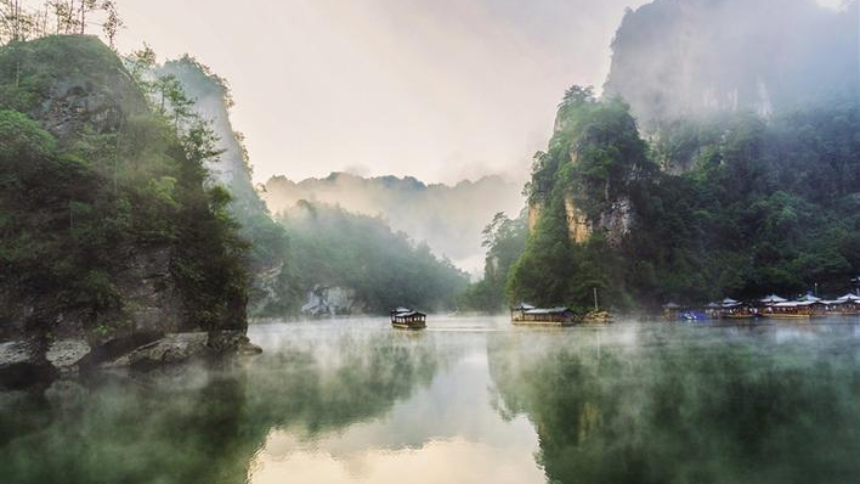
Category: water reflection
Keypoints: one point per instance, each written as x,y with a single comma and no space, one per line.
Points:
678,405
468,401
445,432
147,432
207,425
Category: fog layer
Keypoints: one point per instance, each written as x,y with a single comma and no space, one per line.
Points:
448,218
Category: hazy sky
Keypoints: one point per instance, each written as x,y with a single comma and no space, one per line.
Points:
437,89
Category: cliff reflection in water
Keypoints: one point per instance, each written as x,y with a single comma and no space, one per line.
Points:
470,400
205,425
706,406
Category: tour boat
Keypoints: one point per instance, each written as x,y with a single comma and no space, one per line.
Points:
526,315
404,318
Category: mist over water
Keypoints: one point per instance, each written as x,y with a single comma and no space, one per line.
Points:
469,400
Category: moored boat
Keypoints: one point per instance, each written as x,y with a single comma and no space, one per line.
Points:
404,318
791,310
526,315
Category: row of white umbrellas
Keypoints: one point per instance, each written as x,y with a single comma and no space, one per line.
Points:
810,299
773,299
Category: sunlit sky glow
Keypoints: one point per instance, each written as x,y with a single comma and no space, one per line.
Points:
441,90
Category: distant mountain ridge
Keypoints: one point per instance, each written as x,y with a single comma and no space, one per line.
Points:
449,219
675,59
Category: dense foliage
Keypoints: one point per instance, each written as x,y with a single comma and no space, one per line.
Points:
334,248
116,178
757,206
268,255
505,240
684,406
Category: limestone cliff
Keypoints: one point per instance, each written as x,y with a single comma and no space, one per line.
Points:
109,239
578,225
232,169
673,60
609,209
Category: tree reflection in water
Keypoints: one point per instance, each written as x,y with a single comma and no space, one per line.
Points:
205,424
681,406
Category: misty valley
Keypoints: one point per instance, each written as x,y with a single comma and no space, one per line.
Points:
464,241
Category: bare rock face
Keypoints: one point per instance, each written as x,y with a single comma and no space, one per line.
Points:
178,348
578,227
76,103
172,349
155,303
100,96
617,221
65,355
15,353
330,301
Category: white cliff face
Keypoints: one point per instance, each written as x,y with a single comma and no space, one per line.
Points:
331,301
212,103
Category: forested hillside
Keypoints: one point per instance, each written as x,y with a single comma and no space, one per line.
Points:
108,229
355,264
723,176
765,206
448,218
269,259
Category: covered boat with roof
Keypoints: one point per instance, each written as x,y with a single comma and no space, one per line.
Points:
405,318
732,309
527,315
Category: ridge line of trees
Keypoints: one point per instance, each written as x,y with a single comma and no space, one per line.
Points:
20,20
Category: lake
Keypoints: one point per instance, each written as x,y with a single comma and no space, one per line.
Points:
469,400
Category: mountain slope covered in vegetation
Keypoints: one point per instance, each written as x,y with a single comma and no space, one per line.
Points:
110,235
766,206
672,197
269,256
447,218
355,264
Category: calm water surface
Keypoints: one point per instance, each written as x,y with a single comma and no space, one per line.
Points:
467,401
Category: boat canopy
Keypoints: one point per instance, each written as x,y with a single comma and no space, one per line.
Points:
409,314
797,304
787,304
849,298
671,305
729,303
809,298
714,305
774,299
523,307
560,310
